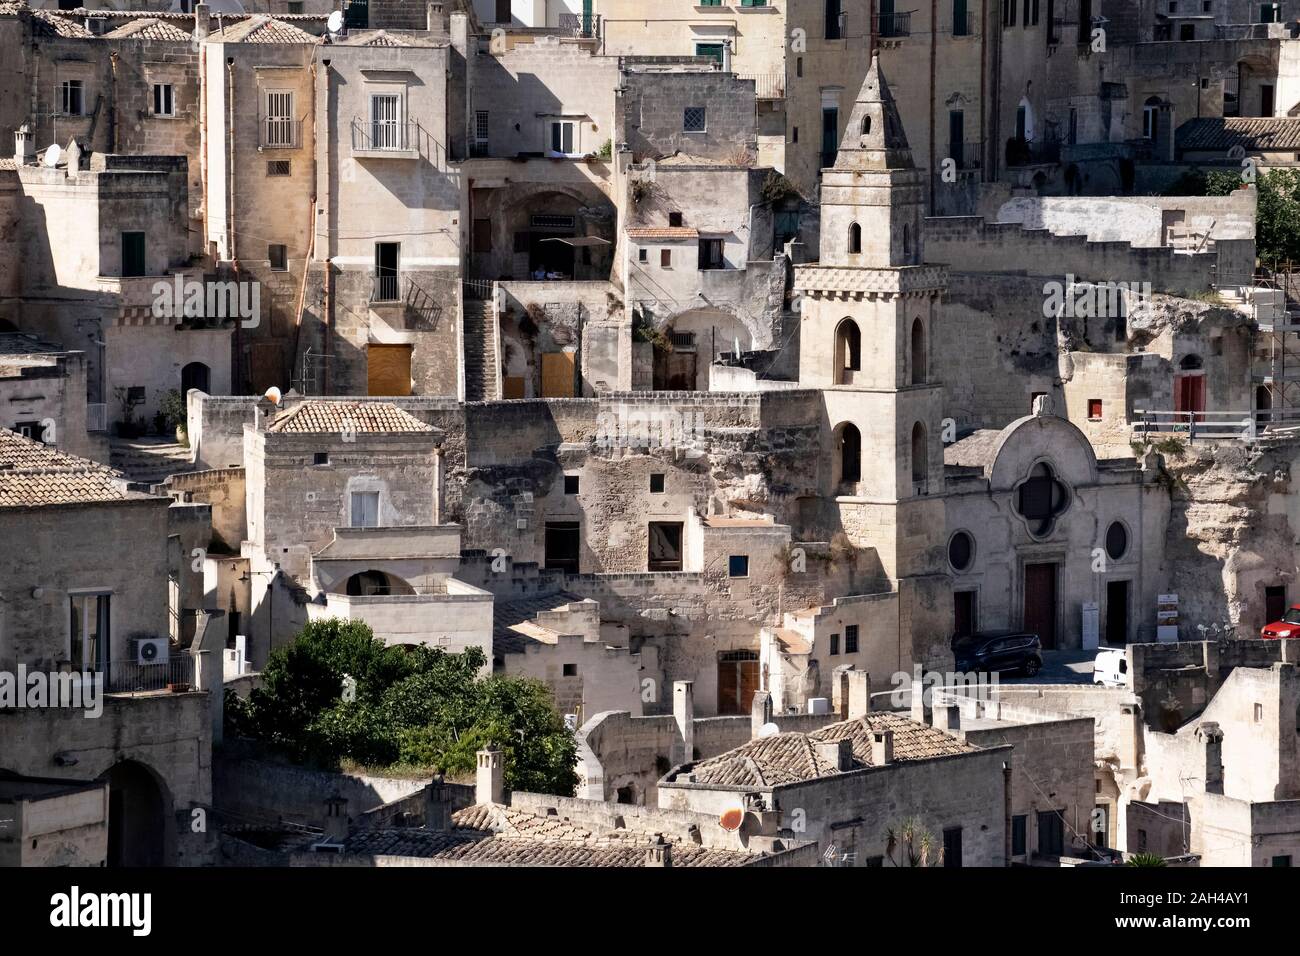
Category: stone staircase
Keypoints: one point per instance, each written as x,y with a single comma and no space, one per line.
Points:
149,461
480,351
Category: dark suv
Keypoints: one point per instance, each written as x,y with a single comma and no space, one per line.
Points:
996,651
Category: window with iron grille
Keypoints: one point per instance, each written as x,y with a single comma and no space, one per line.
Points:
851,639
693,119
278,123
278,167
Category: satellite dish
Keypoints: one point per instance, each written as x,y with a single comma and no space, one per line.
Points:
730,820
769,730
272,395
334,23
53,155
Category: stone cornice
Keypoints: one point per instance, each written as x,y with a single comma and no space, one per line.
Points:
849,282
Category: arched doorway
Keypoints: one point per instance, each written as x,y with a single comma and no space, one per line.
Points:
848,351
137,816
195,375
376,584
920,369
848,444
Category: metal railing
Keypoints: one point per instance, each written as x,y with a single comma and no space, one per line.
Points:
966,25
385,136
892,24
131,677
967,155
281,132
767,86
479,289
386,287
1031,152
1247,426
580,24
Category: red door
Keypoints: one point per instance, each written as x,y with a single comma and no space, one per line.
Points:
1189,393
1040,602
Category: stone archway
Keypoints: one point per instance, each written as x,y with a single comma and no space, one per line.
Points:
519,232
374,583
139,806
698,337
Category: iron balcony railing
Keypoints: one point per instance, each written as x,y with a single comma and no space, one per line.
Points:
580,24
131,677
374,136
892,24
386,287
281,132
767,86
966,155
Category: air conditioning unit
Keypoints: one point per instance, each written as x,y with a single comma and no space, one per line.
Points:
152,650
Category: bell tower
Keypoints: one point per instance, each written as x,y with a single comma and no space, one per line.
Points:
867,314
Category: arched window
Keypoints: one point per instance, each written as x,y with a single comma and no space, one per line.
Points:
848,352
1191,363
850,449
855,239
907,240
194,375
919,358
866,126
920,455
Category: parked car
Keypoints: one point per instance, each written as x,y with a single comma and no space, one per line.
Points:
999,651
1286,628
1110,669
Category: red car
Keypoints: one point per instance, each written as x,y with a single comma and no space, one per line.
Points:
1289,626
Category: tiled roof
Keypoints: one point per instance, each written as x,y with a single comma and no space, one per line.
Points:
149,28
8,162
23,343
1254,134
663,232
46,23
502,836
33,474
976,450
793,757
320,418
507,615
262,29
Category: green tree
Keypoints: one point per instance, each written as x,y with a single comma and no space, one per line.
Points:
419,707
1277,223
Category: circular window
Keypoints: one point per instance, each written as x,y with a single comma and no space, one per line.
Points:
961,551
1116,541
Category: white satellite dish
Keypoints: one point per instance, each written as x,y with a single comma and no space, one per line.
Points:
334,22
53,155
272,395
769,730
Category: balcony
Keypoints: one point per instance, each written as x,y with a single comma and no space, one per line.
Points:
175,675
767,86
386,139
281,132
585,25
968,156
1036,152
892,25
386,288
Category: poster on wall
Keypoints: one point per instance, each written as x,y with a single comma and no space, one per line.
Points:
1167,618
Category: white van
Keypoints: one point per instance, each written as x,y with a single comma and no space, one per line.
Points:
1110,669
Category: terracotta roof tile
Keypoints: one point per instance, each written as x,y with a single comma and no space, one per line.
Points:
1259,133
149,28
662,232
262,29
33,474
319,418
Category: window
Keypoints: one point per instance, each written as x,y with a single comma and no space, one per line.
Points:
1268,13
848,351
279,129
277,256
920,360
952,846
851,639
1040,499
694,119
1034,19
1259,713
1018,835
163,102
798,67
72,98
835,645
89,639
920,454
657,484
387,271
1281,861
570,670
714,51
738,566
133,254
643,255
562,544
830,135
32,430
794,134
665,258
834,20
1094,409
711,254
1187,31
321,458
386,129
1051,832
675,220
571,484
960,19
1008,13
665,546
1150,120
562,137
365,509
855,239
850,454
961,551
481,132
278,167
295,6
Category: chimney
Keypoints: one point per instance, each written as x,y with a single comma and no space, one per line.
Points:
882,748
490,784
202,22
336,819
919,702
437,811
837,753
73,159
948,718
22,144
859,694
660,852
760,712
433,17
684,716
1212,737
